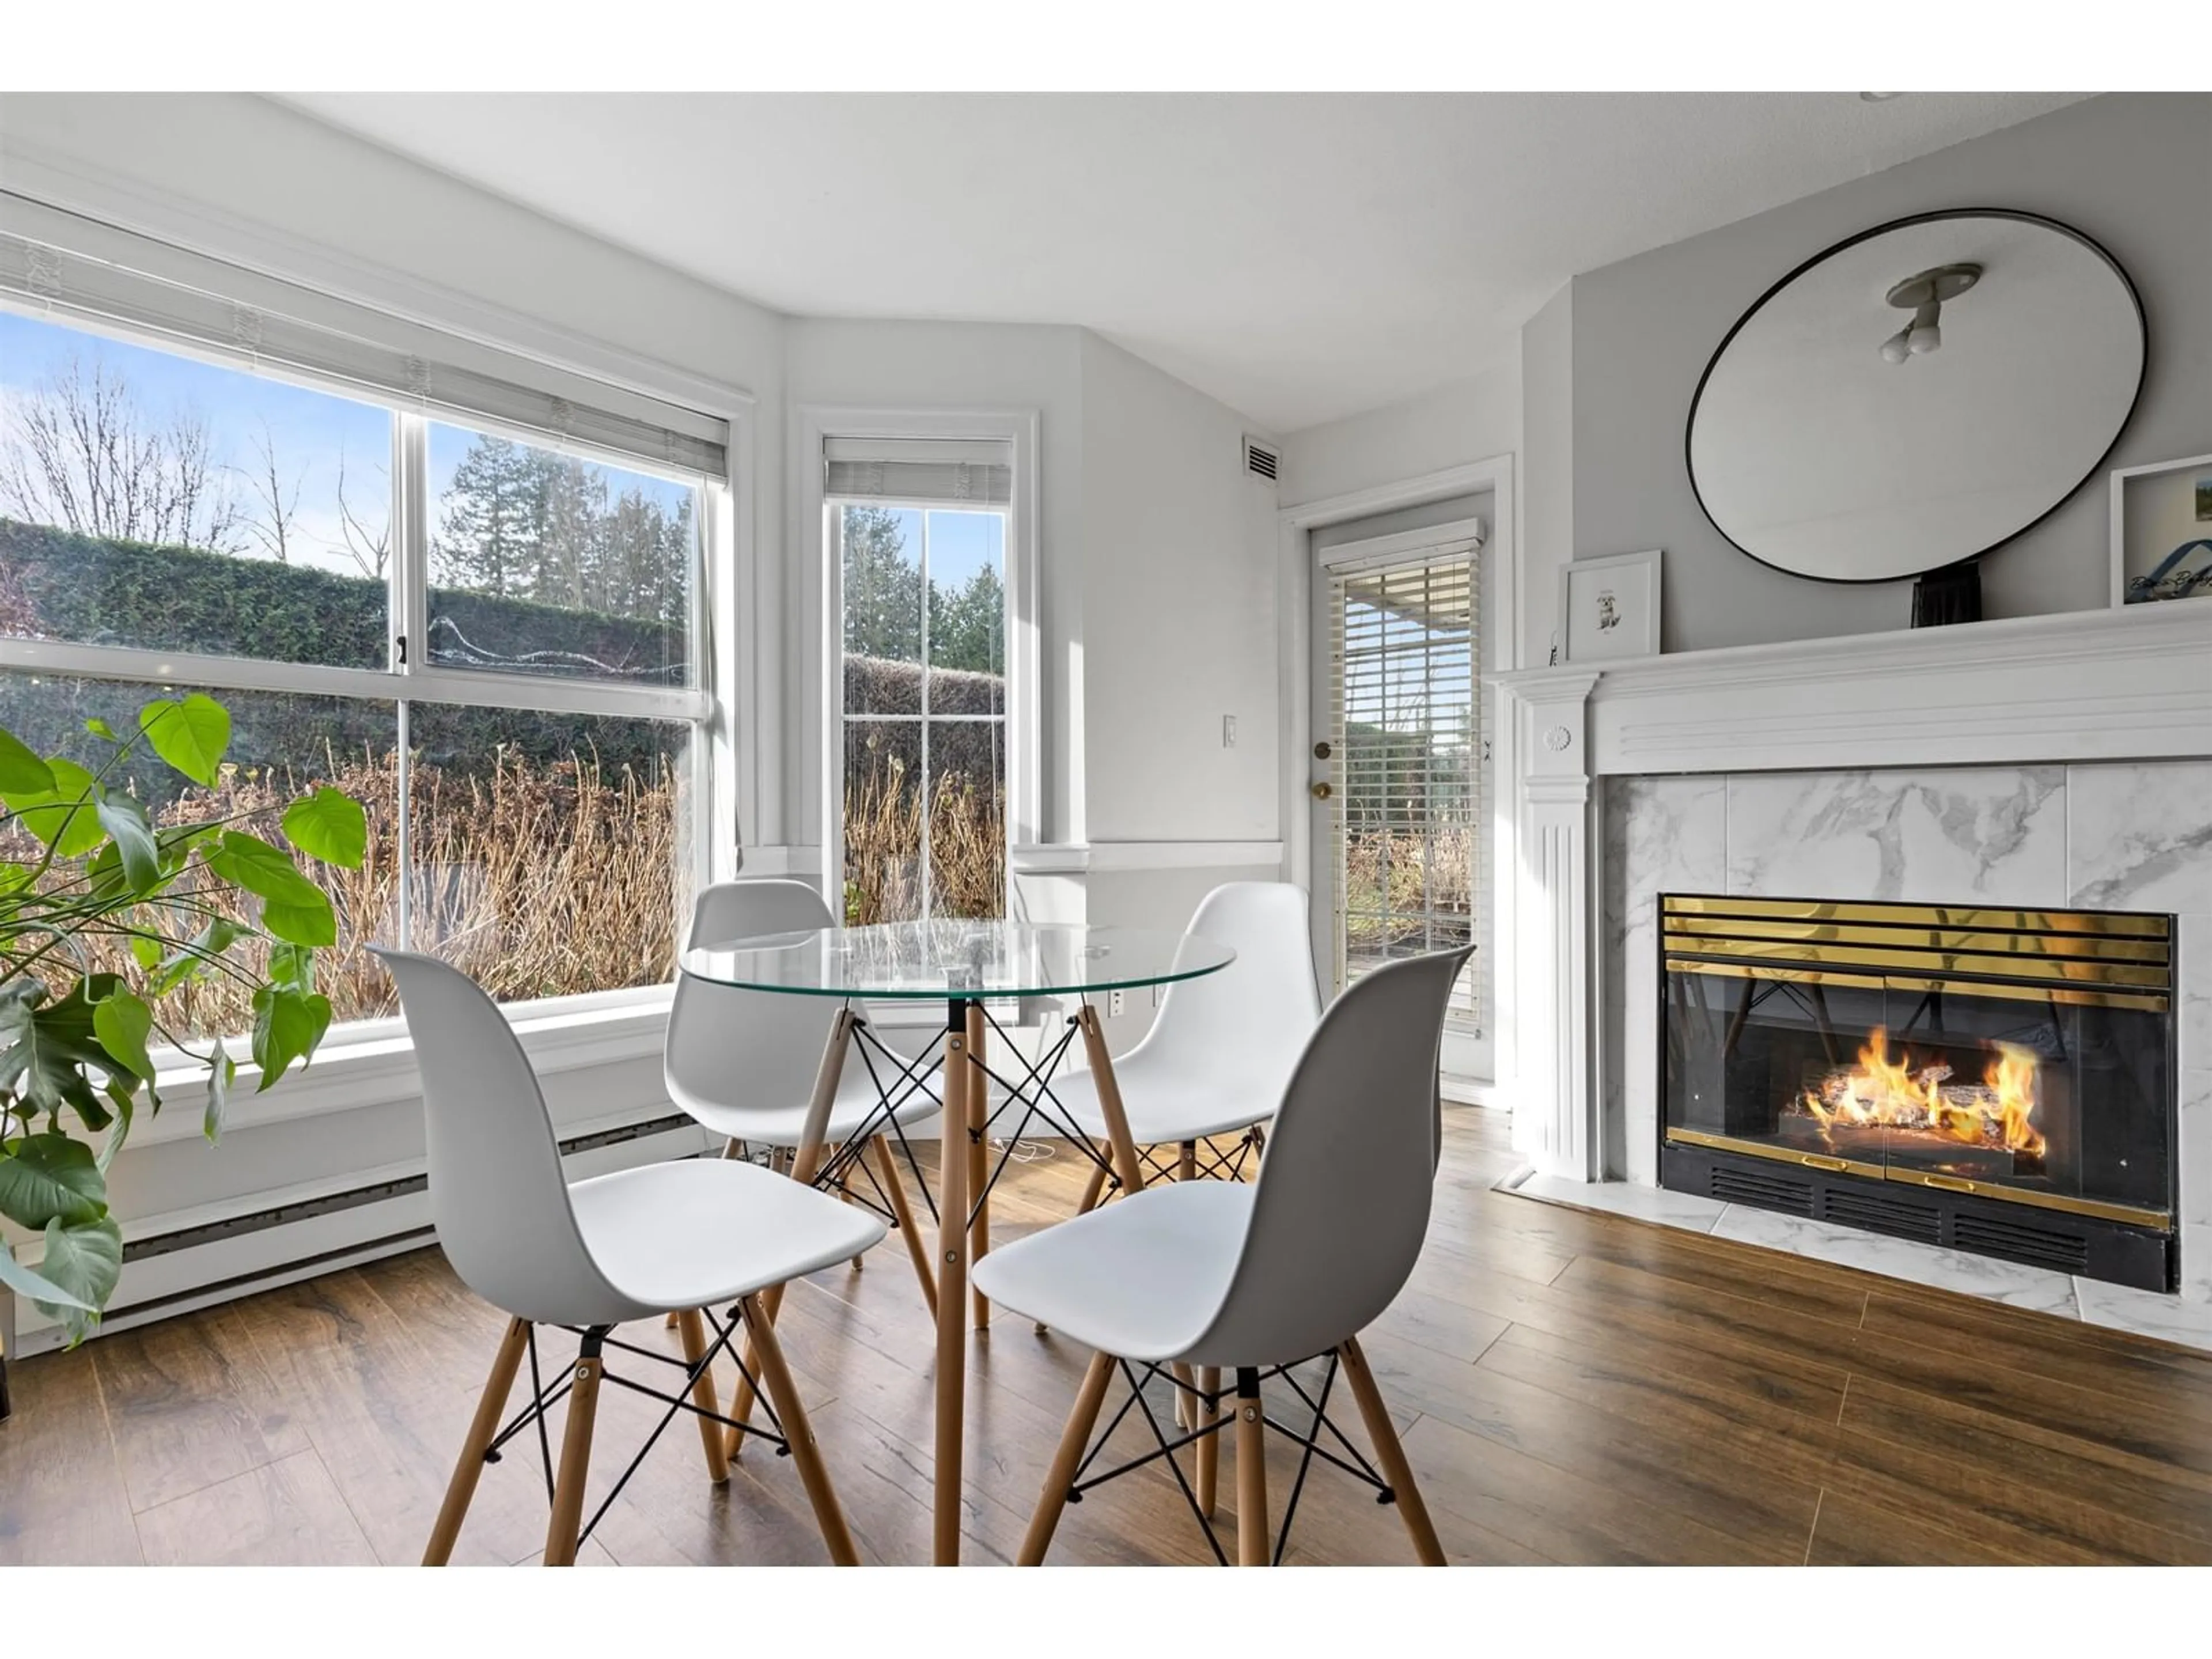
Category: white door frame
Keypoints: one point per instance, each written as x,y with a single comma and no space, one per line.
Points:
1296,568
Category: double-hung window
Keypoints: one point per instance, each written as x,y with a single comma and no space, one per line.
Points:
463,586
917,535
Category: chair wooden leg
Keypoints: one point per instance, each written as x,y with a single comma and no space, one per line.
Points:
1187,1161
1388,1452
845,1192
917,1247
1072,1440
1252,1543
741,1397
783,1394
1209,1448
490,1408
702,1395
562,1532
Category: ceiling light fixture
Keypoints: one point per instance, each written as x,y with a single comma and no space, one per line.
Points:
1923,296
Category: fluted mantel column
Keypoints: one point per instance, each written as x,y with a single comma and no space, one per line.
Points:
1546,944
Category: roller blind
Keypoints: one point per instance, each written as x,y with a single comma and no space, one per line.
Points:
1410,847
77,269
947,471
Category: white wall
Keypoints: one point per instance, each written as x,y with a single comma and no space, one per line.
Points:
2130,170
1462,420
1179,612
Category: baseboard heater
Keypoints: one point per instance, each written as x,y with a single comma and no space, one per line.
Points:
269,1275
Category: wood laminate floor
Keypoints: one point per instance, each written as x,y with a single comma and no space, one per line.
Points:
1571,1386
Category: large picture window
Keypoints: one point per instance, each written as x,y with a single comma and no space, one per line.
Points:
477,612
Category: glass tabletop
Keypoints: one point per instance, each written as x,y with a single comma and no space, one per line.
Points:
945,959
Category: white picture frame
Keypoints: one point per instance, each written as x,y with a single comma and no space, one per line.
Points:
1609,608
2161,502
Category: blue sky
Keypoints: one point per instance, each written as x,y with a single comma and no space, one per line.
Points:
311,432
960,543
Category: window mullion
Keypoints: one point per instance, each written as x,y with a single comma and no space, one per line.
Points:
411,535
928,896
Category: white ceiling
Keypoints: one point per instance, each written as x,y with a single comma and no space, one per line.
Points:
1299,256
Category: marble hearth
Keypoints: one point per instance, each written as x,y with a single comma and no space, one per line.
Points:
2060,761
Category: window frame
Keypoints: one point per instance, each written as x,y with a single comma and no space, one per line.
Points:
1024,710
712,782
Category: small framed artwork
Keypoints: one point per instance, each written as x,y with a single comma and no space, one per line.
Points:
2162,531
1609,608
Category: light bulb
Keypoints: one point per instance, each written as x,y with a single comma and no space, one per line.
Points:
1924,338
1895,349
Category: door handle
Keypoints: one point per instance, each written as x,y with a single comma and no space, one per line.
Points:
1322,790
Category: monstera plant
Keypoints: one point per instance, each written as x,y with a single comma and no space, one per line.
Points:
109,911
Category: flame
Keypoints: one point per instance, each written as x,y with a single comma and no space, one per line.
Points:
1901,1094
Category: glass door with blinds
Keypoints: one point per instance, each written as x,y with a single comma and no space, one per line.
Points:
1401,842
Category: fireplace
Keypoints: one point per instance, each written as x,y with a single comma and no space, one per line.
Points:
2001,1081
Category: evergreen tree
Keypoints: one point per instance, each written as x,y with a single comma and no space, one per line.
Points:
883,588
493,520
967,624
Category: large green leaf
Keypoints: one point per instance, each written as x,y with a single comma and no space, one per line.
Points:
287,1026
190,733
84,1261
21,771
44,1292
328,825
126,824
51,1178
123,1022
293,908
45,1046
64,816
310,921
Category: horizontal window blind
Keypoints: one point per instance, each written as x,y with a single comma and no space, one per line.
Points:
79,269
951,472
1406,748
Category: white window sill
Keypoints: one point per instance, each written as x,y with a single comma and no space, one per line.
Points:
372,1062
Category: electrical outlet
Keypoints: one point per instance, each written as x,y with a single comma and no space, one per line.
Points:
1117,1002
1229,731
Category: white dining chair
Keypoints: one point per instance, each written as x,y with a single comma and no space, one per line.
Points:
682,1237
749,1065
1258,1278
1222,1046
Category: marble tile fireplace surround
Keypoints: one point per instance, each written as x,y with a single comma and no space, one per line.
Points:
2057,763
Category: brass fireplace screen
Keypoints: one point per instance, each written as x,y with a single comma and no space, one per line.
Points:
2020,1055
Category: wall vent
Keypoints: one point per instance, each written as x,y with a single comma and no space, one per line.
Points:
1260,459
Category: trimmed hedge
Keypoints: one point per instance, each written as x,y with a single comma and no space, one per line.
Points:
96,592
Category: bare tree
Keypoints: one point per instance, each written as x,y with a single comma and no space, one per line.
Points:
78,452
276,511
369,545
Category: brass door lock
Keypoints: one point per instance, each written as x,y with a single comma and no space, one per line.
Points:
1322,790
1322,752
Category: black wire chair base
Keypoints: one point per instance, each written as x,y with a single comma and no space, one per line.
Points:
1353,1462
594,1342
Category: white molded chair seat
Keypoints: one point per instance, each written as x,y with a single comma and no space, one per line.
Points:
1165,1104
1142,1279
1196,1278
1219,1055
783,1125
706,1232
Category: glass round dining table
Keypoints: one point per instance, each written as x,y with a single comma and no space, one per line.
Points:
967,965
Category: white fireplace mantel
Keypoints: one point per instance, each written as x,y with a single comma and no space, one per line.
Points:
2102,685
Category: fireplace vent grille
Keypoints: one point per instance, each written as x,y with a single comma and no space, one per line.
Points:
1883,1215
1732,1185
2040,1246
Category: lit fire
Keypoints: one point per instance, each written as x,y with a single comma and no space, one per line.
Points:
1903,1094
